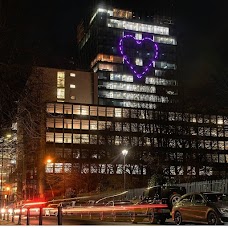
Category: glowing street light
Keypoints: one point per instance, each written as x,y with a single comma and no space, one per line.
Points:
124,152
49,161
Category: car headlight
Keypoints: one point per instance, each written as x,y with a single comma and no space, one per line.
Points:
223,210
10,210
3,210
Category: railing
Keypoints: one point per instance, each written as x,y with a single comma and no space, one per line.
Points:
211,185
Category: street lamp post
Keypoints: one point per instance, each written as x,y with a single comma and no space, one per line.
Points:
48,162
124,152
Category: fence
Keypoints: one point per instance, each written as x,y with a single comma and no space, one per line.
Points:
211,185
200,186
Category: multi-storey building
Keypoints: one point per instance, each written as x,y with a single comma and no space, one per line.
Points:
86,139
82,120
135,60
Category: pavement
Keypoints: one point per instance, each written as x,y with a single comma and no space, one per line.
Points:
7,223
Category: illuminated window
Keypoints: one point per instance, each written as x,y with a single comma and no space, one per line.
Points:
60,93
138,36
49,137
60,79
67,167
50,108
138,62
72,86
58,167
49,168
72,74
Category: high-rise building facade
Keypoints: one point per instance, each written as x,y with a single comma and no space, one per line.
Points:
135,59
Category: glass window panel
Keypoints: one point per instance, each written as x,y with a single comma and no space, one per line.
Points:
84,110
50,122
93,124
59,108
60,93
93,139
58,137
110,112
110,169
76,110
50,108
101,125
67,123
67,138
101,111
76,124
76,138
84,138
58,123
60,79
58,167
93,111
118,112
67,167
85,124
49,137
67,109
49,168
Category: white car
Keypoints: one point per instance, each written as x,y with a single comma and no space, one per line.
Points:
51,210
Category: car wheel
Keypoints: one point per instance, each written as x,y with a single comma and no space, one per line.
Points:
151,217
212,218
174,199
177,218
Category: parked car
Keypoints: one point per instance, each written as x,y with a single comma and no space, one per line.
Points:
164,196
201,207
116,210
168,194
155,211
50,210
34,208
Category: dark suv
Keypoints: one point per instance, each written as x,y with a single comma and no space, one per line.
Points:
168,194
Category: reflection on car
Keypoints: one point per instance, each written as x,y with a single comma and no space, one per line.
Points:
117,210
50,210
201,207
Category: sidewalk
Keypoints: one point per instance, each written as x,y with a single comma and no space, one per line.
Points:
7,223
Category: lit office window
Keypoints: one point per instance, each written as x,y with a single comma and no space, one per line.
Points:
138,36
138,62
72,86
49,168
72,74
60,93
60,79
58,167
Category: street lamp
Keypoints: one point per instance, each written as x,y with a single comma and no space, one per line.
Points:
124,152
49,161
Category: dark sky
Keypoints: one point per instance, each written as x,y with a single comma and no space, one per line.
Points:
49,28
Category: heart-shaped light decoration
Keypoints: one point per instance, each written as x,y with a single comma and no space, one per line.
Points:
139,71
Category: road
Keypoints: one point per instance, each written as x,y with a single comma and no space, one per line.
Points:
72,220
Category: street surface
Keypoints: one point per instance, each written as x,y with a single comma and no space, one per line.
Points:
73,220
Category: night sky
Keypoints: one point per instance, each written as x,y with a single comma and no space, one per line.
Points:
48,28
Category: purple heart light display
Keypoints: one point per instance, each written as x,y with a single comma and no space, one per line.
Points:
151,48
